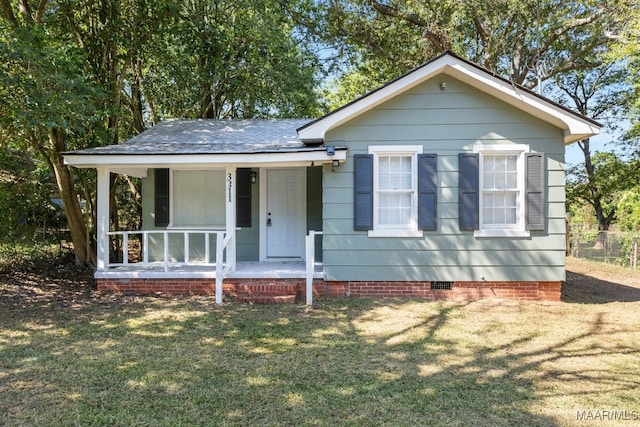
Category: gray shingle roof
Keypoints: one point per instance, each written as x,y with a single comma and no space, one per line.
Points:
212,137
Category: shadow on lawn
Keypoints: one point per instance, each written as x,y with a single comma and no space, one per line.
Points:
81,358
580,288
355,362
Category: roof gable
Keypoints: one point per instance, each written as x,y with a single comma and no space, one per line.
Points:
574,126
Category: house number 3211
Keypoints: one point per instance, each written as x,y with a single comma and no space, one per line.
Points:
229,184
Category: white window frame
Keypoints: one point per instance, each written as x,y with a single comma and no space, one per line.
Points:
518,229
396,150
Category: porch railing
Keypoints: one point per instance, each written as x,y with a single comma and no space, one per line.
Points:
310,256
171,259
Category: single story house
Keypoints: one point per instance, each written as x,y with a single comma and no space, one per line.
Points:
447,182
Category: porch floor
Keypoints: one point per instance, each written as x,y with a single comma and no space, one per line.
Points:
244,270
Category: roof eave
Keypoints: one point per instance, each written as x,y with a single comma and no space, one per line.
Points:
201,160
574,126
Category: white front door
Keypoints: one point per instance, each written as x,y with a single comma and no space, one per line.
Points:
285,213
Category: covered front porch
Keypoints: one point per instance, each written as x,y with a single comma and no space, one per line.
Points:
217,205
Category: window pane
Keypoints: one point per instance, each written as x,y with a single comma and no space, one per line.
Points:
500,164
394,173
499,208
394,208
383,164
406,164
499,172
400,181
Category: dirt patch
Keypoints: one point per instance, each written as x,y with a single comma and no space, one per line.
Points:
63,284
597,283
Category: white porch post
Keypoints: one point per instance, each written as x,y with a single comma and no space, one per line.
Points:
102,218
230,201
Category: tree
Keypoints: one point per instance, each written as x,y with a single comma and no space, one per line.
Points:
628,210
44,98
233,59
603,186
527,41
25,202
627,51
599,93
79,74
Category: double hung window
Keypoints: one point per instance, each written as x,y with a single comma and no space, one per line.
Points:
502,180
395,190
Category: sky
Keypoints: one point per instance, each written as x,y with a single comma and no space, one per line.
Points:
573,153
604,141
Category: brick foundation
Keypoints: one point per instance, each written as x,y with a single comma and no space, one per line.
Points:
289,290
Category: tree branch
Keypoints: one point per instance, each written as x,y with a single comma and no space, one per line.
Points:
441,41
41,8
25,11
570,26
7,13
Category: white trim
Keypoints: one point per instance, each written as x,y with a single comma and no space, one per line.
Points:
115,274
515,230
501,233
199,161
396,149
102,218
410,230
574,127
230,215
263,180
262,224
502,148
395,232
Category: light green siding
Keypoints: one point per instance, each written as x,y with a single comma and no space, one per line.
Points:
445,122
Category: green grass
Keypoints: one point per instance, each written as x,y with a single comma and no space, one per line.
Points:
153,361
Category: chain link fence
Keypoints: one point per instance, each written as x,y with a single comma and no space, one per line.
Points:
613,247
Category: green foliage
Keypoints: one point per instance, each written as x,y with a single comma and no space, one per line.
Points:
42,83
610,178
627,50
27,251
513,38
232,59
25,192
628,210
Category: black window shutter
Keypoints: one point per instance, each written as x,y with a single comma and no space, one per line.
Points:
161,197
534,190
469,191
427,191
243,197
363,191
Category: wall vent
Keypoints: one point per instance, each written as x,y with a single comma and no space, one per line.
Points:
441,286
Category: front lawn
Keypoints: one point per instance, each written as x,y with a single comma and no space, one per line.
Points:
92,359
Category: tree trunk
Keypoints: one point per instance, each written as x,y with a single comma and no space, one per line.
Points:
83,252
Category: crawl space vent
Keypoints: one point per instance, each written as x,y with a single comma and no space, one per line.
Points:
441,286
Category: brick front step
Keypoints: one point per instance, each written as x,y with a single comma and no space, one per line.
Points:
281,291
262,291
266,299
